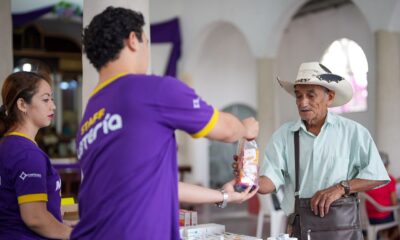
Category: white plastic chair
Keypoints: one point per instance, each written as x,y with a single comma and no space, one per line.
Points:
373,229
277,218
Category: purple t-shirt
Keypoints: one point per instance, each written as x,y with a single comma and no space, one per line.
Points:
26,175
127,149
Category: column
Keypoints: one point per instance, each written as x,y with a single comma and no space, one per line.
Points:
6,51
58,101
92,8
388,96
266,101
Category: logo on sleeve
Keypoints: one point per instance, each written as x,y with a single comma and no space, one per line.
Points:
58,185
24,175
196,103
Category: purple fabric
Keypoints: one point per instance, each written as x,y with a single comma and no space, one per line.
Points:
127,149
20,19
65,166
165,32
24,170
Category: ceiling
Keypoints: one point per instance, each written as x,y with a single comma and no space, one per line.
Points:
314,6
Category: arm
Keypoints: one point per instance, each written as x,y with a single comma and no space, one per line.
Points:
322,200
393,197
266,185
362,185
39,220
230,129
366,167
189,193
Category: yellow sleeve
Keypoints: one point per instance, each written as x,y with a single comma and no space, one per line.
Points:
39,197
209,126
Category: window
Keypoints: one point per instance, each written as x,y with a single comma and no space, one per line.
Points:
346,58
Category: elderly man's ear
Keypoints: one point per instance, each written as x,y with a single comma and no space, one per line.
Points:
331,96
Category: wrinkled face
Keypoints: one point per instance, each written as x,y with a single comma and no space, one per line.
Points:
312,102
41,109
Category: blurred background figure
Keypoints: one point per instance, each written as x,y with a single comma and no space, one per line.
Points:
385,196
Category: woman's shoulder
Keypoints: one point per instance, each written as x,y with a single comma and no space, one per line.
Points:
17,143
17,149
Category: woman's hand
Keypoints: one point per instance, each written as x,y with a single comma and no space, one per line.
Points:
71,223
238,197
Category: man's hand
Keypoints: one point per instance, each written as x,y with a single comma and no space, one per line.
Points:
322,200
251,128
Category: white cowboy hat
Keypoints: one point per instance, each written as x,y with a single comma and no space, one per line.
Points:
314,73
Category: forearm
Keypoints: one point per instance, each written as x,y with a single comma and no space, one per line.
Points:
237,130
362,185
322,199
266,185
38,219
189,193
228,129
50,227
393,197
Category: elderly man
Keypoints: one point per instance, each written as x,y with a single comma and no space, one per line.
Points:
336,156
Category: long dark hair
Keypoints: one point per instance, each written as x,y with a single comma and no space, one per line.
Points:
17,85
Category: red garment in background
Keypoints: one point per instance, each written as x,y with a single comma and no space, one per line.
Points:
382,196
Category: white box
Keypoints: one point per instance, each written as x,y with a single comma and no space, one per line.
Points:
202,230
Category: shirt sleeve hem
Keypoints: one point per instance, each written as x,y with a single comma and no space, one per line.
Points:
209,126
39,197
374,178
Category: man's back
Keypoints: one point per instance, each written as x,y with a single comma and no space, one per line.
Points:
127,150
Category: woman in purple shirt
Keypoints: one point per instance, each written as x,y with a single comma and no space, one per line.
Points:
29,185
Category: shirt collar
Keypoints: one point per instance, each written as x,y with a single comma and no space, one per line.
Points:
331,119
21,135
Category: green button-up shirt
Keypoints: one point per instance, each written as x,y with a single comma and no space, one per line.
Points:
343,150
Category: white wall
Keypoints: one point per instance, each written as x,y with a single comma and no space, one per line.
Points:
260,21
223,72
379,14
223,68
306,39
394,23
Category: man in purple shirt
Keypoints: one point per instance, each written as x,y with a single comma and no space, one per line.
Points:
126,143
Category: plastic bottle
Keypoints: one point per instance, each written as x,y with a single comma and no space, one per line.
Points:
247,153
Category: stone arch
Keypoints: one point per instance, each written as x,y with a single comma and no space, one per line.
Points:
222,70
